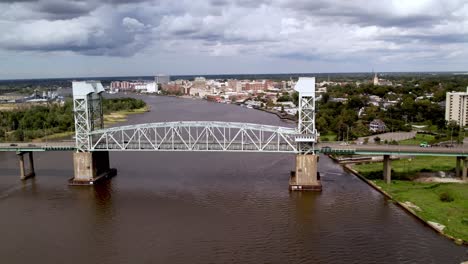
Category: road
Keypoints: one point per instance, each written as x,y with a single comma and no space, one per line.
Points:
395,149
355,149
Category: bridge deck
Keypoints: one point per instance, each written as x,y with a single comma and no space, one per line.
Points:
49,146
327,148
379,150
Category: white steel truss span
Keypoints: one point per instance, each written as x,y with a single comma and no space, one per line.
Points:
196,136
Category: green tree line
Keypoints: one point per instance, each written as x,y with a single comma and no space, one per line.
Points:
39,121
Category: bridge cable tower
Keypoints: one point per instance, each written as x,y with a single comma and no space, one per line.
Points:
88,112
89,166
305,176
307,137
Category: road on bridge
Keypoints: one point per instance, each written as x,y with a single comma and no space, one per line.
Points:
403,149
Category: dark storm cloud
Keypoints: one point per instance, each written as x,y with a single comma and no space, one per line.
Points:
436,39
16,1
64,10
364,13
125,27
360,18
240,3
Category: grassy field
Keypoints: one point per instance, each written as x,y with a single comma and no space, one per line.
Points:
407,168
121,116
328,137
444,203
418,140
52,137
8,107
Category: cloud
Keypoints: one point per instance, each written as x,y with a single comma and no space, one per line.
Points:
327,31
133,25
57,9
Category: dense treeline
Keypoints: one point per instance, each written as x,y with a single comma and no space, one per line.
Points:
39,121
415,101
121,104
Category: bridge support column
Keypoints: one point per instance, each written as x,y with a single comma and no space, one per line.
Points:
305,178
461,168
91,167
387,169
465,169
26,174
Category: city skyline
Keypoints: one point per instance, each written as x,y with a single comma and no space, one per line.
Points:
87,38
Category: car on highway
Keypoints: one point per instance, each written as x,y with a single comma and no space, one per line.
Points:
424,145
13,145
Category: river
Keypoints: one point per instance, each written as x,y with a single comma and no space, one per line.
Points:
184,207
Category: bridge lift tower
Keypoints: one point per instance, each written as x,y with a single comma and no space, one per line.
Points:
306,176
89,166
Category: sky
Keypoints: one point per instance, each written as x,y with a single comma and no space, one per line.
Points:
87,38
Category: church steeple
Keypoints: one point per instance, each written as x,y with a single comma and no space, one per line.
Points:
376,79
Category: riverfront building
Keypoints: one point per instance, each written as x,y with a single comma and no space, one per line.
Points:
456,107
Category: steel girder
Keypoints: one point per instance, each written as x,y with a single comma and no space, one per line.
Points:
306,125
82,126
88,114
196,136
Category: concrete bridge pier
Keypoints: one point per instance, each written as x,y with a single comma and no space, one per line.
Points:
305,177
387,169
91,167
24,173
461,168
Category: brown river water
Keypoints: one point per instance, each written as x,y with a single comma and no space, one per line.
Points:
183,207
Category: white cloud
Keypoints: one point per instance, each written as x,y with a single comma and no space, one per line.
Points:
320,31
133,25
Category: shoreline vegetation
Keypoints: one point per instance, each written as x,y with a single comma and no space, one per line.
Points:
441,205
109,119
43,123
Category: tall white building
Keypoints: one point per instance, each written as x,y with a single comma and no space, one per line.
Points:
162,79
150,87
456,107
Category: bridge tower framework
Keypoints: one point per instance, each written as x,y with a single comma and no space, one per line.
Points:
89,166
306,176
88,113
306,109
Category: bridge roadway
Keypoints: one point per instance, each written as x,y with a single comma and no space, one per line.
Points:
326,148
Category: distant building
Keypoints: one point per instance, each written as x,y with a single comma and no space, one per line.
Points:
162,79
235,85
377,126
150,87
124,85
256,86
199,83
376,79
456,107
172,88
381,82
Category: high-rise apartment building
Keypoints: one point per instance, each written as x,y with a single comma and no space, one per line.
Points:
162,79
456,107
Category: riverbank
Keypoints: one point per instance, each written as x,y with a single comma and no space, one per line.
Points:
278,114
409,168
121,116
442,206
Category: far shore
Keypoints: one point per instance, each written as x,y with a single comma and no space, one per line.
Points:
109,119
